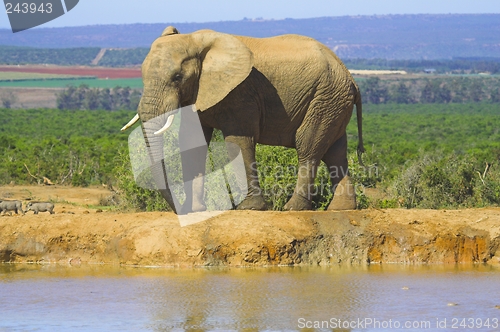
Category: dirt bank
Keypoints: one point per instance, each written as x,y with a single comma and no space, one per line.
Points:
77,233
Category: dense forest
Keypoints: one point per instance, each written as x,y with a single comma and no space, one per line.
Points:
418,155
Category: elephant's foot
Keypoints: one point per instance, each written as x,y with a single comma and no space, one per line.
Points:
255,202
298,203
194,195
195,207
344,197
188,209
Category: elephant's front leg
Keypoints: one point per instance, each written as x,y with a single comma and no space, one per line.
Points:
253,199
193,169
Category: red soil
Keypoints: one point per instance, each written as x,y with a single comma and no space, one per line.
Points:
99,72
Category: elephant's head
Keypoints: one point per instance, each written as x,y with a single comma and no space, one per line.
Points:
200,68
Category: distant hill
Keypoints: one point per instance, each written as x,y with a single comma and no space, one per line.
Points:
388,36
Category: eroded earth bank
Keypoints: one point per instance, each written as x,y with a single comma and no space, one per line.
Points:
79,234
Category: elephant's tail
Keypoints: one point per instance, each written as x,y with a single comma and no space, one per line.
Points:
359,116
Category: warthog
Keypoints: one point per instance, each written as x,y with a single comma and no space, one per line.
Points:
6,206
40,207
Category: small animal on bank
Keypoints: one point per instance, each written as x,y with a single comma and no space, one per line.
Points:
6,206
40,207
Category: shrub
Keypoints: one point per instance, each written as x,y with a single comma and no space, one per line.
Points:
450,181
133,197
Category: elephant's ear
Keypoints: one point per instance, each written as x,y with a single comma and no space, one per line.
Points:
226,62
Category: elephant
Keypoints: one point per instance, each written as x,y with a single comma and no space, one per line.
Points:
40,207
15,206
287,90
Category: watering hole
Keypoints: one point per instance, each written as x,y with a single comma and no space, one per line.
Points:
368,298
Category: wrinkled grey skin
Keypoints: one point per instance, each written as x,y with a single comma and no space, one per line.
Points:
40,207
287,90
16,206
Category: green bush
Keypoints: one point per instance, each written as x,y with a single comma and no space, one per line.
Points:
133,197
451,181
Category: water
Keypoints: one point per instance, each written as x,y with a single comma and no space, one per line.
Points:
370,298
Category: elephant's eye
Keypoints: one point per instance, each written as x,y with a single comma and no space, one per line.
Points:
177,78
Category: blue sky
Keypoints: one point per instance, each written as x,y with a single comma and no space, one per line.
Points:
90,12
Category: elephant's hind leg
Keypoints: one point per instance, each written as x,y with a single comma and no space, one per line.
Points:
344,196
310,148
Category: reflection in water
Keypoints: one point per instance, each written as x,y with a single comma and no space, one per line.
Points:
48,298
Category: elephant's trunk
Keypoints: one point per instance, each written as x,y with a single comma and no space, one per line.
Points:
153,122
157,100
154,145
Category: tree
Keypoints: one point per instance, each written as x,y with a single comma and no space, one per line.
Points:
374,92
66,99
495,96
427,95
91,101
81,93
120,98
459,87
443,94
105,101
401,95
476,90
8,99
135,98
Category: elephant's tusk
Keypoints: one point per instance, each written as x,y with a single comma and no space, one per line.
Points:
167,125
131,122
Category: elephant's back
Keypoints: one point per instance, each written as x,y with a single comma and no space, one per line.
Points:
284,48
301,58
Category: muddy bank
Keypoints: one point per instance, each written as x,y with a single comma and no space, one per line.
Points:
245,238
